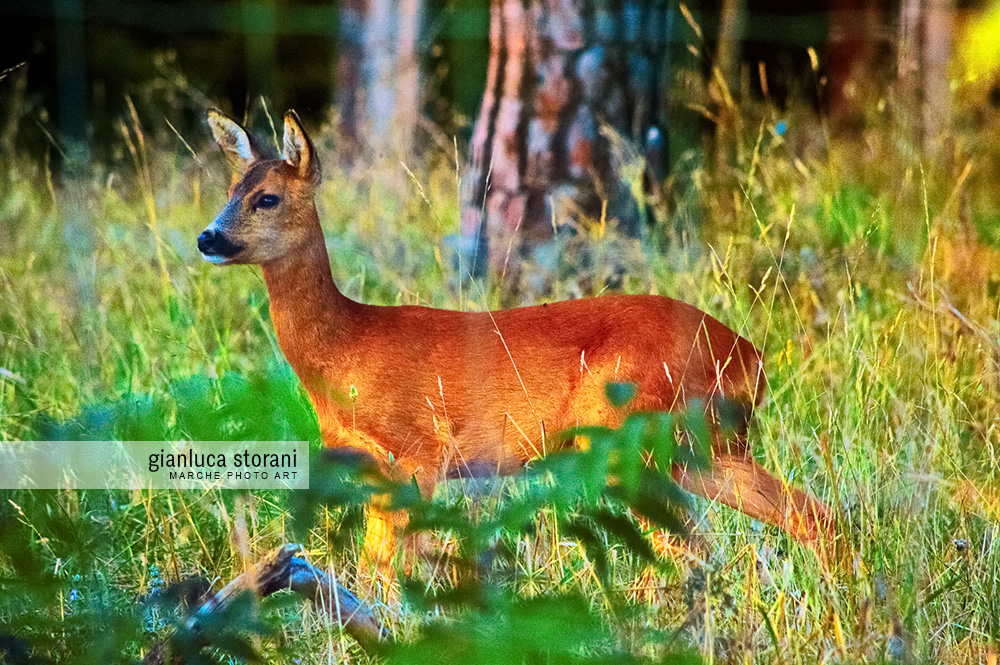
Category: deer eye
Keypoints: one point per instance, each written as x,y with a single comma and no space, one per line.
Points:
267,201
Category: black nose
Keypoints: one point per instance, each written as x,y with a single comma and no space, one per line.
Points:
205,242
214,242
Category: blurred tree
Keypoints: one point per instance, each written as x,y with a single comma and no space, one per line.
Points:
923,54
348,74
77,228
853,63
724,81
378,74
566,82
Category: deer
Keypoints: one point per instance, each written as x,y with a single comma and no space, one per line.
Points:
437,392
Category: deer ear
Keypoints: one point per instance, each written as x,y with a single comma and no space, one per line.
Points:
237,145
299,152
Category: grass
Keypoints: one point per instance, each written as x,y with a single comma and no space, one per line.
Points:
842,261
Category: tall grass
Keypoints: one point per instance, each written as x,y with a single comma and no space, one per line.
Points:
845,261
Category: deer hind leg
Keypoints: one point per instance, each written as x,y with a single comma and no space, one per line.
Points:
736,480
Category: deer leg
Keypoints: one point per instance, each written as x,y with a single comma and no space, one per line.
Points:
382,529
737,481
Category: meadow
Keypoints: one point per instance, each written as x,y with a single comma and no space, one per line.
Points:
866,268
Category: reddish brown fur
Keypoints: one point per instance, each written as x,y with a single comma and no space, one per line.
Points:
438,389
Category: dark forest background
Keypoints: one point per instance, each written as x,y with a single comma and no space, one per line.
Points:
82,57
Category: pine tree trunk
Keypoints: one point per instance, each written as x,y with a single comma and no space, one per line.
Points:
378,75
348,88
923,54
854,64
938,25
566,81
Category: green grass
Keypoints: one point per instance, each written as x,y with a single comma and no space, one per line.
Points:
884,395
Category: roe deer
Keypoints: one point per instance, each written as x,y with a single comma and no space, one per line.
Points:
438,391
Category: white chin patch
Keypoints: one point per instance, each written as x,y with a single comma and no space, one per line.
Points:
217,259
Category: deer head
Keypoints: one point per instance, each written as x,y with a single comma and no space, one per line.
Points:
270,212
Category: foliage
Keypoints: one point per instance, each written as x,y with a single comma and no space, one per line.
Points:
494,623
575,484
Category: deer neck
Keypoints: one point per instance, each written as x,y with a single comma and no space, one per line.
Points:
309,313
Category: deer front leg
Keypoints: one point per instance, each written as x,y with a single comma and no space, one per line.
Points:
383,527
382,531
370,462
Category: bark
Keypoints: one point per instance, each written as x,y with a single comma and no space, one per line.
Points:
406,113
378,74
937,29
924,51
724,87
572,89
908,49
852,60
349,97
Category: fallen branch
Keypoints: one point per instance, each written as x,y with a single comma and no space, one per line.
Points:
282,569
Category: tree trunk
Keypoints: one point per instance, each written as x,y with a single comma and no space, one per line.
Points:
348,89
724,88
939,19
77,228
924,51
908,47
378,75
854,65
566,81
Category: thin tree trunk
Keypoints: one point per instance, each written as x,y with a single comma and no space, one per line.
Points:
937,28
908,82
407,111
379,66
853,64
378,75
908,49
923,53
349,94
724,87
77,228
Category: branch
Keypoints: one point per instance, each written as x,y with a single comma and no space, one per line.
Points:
282,569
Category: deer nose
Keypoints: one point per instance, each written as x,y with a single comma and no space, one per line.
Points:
214,243
206,241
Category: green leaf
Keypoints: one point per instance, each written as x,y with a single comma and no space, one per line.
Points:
629,460
660,439
581,529
619,394
627,532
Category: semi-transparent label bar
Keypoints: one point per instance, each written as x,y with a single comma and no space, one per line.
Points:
194,465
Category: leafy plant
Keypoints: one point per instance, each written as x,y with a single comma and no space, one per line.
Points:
589,489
